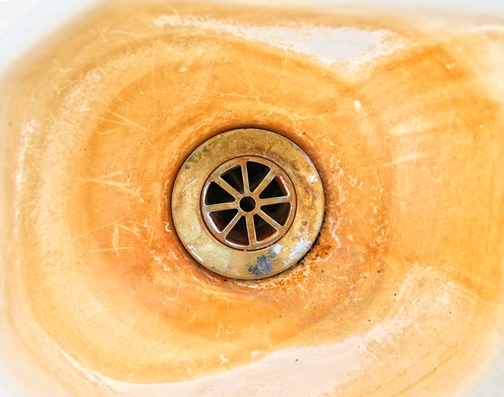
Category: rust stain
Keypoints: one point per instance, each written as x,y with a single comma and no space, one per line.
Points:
412,177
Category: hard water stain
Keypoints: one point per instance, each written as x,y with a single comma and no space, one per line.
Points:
405,280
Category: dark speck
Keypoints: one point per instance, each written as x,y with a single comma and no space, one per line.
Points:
262,268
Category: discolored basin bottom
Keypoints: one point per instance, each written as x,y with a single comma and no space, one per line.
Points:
402,293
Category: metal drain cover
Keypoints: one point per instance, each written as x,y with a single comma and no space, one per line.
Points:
248,204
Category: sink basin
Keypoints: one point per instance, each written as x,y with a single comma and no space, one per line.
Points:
401,113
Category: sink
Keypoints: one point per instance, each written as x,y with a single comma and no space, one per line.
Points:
400,111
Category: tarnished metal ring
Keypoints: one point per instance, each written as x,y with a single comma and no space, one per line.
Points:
235,177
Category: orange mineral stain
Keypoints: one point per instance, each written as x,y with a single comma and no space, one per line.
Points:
406,274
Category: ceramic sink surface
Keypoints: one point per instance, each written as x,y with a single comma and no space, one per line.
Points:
400,109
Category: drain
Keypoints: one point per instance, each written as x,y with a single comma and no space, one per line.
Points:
248,204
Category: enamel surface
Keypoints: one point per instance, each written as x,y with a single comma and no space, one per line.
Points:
403,118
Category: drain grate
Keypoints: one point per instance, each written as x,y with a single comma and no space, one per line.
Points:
247,204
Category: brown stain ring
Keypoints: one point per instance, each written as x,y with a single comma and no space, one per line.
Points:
104,275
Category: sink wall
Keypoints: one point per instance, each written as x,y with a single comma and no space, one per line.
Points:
305,349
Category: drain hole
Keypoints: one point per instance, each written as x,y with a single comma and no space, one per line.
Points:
256,172
263,228
274,189
236,210
217,195
222,218
234,178
238,234
278,212
247,204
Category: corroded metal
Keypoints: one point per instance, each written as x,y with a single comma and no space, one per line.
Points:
248,204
